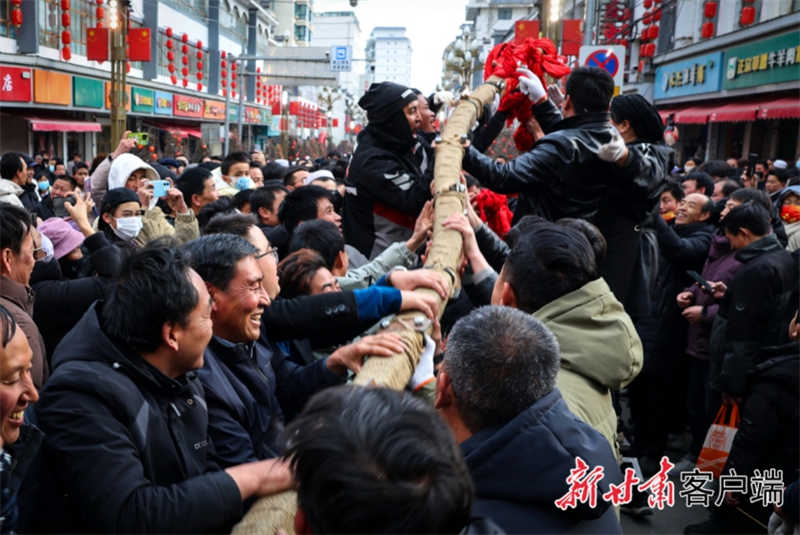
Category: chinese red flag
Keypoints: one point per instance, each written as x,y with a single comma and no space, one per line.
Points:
524,29
571,37
139,44
97,44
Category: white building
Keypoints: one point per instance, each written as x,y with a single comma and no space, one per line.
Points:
294,21
389,53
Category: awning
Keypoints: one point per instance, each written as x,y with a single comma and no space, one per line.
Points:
178,131
666,113
61,125
735,112
785,108
695,115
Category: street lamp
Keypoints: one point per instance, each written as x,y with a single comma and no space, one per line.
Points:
465,58
329,115
285,124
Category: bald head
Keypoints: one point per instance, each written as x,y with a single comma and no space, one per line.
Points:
694,208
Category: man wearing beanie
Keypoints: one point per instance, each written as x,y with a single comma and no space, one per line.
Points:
385,188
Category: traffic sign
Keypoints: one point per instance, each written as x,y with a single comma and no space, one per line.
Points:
341,58
608,58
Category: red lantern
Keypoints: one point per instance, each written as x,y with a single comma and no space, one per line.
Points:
224,74
224,83
710,9
140,146
233,74
185,49
168,31
64,5
657,15
199,44
66,19
170,56
199,65
16,17
153,156
748,16
647,19
66,53
199,87
223,64
169,44
100,13
233,85
648,4
185,71
184,60
223,54
233,94
653,34
185,82
66,37
199,54
171,68
173,79
707,30
16,3
100,25
199,75
224,93
185,38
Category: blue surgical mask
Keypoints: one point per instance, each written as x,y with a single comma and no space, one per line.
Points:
52,168
44,185
797,163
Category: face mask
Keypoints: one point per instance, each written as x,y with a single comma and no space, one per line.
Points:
797,163
71,268
44,186
52,168
47,247
128,227
791,213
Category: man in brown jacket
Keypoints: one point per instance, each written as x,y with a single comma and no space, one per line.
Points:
17,257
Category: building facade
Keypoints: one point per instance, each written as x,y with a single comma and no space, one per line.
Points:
388,52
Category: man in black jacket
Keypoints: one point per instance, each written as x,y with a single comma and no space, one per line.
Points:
251,385
496,391
386,190
127,447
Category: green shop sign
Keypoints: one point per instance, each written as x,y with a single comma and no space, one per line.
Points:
143,100
764,62
87,92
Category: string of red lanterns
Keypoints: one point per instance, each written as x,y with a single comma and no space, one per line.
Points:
747,15
650,32
66,37
185,60
16,13
709,12
199,65
223,63
171,57
233,78
100,14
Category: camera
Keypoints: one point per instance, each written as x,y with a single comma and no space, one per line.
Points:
353,3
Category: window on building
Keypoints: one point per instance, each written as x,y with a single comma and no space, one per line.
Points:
192,7
300,33
6,28
504,13
233,24
301,11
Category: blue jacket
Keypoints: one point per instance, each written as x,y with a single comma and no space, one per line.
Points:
250,390
520,469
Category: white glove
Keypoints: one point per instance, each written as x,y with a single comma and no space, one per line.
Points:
424,372
614,149
554,92
495,105
530,85
440,97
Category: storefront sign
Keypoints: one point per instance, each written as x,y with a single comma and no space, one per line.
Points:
769,61
214,110
187,106
266,117
701,74
233,112
252,115
163,103
143,100
127,96
87,92
52,87
15,84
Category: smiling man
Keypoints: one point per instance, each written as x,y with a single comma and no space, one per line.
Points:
251,385
385,188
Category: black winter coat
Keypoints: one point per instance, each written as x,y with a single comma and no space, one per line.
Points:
521,468
385,192
750,315
767,435
126,447
29,198
45,209
61,304
663,333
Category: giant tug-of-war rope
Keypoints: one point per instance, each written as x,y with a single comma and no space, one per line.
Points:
539,55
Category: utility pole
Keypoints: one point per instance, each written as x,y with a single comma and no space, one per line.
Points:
227,111
242,89
588,25
118,11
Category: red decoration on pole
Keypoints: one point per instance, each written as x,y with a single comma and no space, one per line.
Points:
173,79
169,44
185,38
707,30
139,39
710,9
16,16
168,31
64,5
66,19
97,44
66,37
66,53
100,14
199,87
199,44
747,16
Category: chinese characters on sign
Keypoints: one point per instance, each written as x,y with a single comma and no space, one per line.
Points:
696,74
341,57
766,487
762,62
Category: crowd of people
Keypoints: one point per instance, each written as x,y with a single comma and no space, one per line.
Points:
177,339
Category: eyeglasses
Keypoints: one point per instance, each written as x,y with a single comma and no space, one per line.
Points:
273,252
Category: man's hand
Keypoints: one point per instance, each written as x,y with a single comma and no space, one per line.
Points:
145,193
685,299
531,86
460,223
693,314
427,304
351,356
176,202
77,211
423,224
794,329
408,281
615,150
534,128
423,374
262,478
554,92
258,157
719,289
730,400
125,145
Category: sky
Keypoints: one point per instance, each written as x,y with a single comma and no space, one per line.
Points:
431,25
